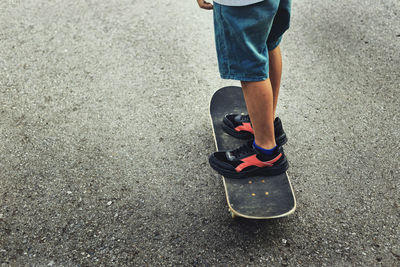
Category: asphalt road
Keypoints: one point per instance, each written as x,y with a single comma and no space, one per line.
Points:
105,135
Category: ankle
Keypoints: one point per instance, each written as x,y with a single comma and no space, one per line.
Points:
265,145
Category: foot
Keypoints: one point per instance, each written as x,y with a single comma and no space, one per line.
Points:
248,161
239,126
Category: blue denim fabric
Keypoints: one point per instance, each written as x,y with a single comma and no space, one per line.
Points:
244,34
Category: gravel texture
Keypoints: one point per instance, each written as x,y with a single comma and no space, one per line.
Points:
105,136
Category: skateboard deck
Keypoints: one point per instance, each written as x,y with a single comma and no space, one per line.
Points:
259,197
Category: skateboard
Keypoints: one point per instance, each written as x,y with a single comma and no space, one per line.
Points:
259,197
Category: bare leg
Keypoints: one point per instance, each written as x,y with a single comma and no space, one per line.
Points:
259,101
262,99
275,73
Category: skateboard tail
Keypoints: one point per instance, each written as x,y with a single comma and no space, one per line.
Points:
239,214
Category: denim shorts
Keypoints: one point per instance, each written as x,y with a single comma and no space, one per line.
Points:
245,34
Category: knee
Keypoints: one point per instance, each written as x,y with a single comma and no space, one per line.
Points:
251,84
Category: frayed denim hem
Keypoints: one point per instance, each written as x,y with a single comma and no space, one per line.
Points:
244,78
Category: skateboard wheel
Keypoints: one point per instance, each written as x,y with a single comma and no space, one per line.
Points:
233,215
